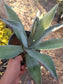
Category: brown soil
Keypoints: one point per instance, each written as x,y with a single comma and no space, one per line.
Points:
27,9
14,41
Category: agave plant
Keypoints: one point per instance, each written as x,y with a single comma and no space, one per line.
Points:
40,28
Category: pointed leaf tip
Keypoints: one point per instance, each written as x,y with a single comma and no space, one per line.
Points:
11,14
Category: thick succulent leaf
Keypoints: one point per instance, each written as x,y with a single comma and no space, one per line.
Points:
11,14
44,23
47,19
45,60
47,31
10,51
33,30
50,44
34,69
19,31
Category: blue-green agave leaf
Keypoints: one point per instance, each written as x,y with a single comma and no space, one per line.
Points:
44,23
45,60
47,19
50,44
9,51
49,30
34,69
11,14
19,31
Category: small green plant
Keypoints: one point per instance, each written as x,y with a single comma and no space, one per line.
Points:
40,29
